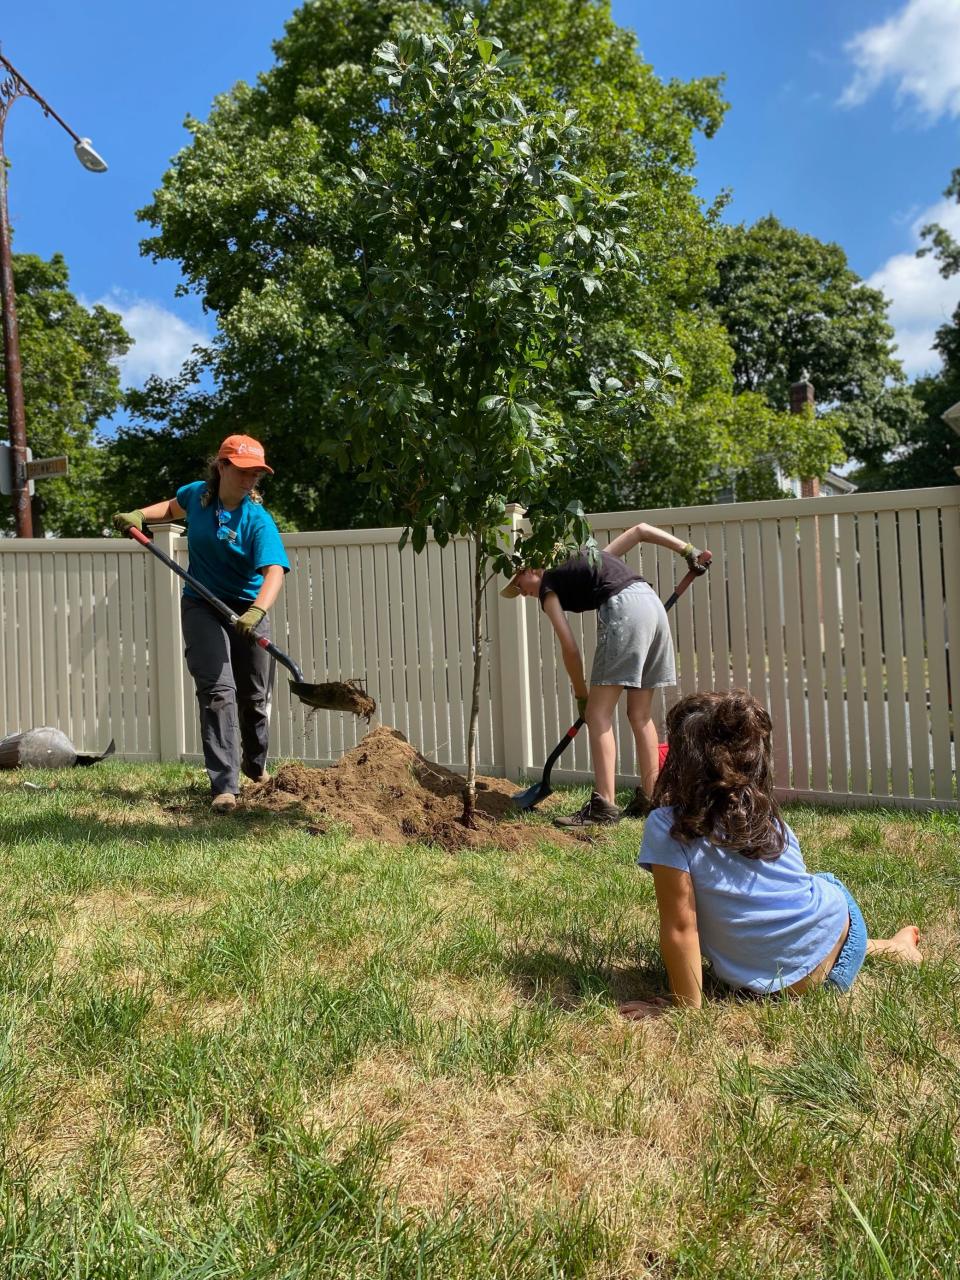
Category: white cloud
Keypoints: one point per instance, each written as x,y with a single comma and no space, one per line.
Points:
162,340
921,300
918,49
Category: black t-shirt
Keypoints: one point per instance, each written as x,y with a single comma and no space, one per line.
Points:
582,584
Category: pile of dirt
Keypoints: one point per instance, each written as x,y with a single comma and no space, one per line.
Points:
385,790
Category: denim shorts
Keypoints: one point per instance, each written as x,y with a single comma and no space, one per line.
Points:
850,960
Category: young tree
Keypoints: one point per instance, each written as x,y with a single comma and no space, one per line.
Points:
71,381
491,252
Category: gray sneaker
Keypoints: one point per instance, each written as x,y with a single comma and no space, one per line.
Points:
595,813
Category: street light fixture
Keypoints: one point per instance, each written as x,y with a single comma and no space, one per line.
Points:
12,87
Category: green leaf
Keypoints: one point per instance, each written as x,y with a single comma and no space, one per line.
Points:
485,49
566,204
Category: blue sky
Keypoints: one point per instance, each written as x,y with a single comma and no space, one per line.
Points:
843,122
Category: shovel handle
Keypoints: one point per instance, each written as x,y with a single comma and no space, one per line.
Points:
214,601
560,748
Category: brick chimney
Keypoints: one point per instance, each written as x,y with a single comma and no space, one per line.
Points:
802,398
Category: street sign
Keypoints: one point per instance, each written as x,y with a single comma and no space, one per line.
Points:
44,468
6,470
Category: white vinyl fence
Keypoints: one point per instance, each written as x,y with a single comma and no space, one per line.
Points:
835,612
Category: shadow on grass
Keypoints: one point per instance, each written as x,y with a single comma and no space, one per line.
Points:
194,817
548,976
545,976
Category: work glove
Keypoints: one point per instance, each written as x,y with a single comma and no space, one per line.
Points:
124,520
248,622
692,556
582,707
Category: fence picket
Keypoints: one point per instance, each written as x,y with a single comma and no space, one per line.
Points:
916,690
934,620
951,591
811,604
756,638
891,614
718,673
875,677
775,656
838,778
796,690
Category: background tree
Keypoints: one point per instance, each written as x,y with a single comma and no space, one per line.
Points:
492,249
930,449
71,382
793,308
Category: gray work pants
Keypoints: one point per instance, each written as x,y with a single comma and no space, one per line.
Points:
233,677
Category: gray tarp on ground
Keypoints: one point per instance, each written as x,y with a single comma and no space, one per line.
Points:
44,748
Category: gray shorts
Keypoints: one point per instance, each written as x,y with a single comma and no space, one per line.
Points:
634,644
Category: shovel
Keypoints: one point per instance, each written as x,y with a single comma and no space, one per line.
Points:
529,799
334,696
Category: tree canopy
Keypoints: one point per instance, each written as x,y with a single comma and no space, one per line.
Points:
794,309
71,382
930,449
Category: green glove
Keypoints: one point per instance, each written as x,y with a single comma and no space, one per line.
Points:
582,707
692,556
124,520
248,622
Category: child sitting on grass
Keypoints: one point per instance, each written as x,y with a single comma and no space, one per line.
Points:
729,876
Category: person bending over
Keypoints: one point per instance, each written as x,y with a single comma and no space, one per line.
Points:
729,876
634,652
235,551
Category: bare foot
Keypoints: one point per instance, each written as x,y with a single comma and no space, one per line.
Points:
902,948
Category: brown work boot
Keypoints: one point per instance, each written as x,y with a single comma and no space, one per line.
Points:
224,803
639,806
595,813
250,772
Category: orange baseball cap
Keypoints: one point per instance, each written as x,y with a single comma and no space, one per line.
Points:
244,451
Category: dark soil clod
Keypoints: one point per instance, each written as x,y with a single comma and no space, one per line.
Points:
336,695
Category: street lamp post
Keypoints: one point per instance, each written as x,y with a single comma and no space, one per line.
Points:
13,86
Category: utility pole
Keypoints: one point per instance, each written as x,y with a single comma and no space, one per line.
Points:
13,86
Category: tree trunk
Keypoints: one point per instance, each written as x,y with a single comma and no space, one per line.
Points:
470,794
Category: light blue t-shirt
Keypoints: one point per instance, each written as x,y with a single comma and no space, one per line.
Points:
229,565
762,925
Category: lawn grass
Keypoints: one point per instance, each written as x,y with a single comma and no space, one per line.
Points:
229,1047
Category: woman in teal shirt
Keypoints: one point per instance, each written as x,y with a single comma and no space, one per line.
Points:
235,551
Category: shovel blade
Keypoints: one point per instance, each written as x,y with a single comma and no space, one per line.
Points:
335,696
530,798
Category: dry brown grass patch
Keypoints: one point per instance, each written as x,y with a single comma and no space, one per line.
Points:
89,916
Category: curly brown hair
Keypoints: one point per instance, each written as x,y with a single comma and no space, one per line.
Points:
718,775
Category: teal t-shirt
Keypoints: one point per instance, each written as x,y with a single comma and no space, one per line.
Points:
228,549
762,925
